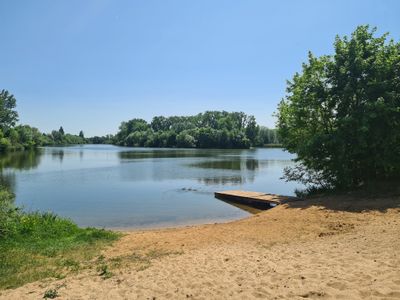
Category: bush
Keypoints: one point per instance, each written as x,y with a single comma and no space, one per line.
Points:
9,214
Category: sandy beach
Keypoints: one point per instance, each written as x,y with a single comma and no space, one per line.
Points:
329,248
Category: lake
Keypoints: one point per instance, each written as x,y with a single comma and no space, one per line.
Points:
119,187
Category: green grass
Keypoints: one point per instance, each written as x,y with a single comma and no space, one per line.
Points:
35,246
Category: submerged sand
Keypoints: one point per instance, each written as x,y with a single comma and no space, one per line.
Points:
333,247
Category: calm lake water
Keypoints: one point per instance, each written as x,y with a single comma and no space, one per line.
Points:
118,187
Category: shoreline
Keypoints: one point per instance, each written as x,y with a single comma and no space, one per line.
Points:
330,247
250,210
175,226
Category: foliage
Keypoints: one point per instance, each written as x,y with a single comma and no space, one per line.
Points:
211,129
107,139
35,245
8,213
267,136
185,140
58,138
21,137
341,114
8,116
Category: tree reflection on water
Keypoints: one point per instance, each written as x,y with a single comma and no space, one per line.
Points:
20,160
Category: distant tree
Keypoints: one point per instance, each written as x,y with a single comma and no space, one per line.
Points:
81,135
136,138
267,136
185,140
59,137
160,123
8,114
28,137
96,140
341,115
4,142
252,129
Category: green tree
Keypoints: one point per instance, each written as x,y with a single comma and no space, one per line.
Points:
267,136
28,137
185,140
81,134
4,142
341,115
61,130
252,129
8,114
160,123
13,136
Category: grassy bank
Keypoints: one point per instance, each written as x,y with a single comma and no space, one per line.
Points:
36,245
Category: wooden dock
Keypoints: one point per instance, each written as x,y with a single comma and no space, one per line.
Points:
254,199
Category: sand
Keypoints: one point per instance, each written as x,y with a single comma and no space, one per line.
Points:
333,247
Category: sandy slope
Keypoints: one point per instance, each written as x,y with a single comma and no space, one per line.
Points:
339,248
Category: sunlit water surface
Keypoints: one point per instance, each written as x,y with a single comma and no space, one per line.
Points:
118,187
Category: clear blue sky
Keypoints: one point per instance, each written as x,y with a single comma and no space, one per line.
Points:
91,64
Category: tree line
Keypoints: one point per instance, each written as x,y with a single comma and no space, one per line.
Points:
20,137
211,129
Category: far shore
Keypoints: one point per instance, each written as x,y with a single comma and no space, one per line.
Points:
332,247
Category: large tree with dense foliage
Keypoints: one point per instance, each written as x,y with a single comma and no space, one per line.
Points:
341,115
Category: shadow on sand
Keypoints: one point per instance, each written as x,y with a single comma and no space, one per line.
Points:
357,202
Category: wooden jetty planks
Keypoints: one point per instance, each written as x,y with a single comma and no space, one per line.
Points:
254,198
